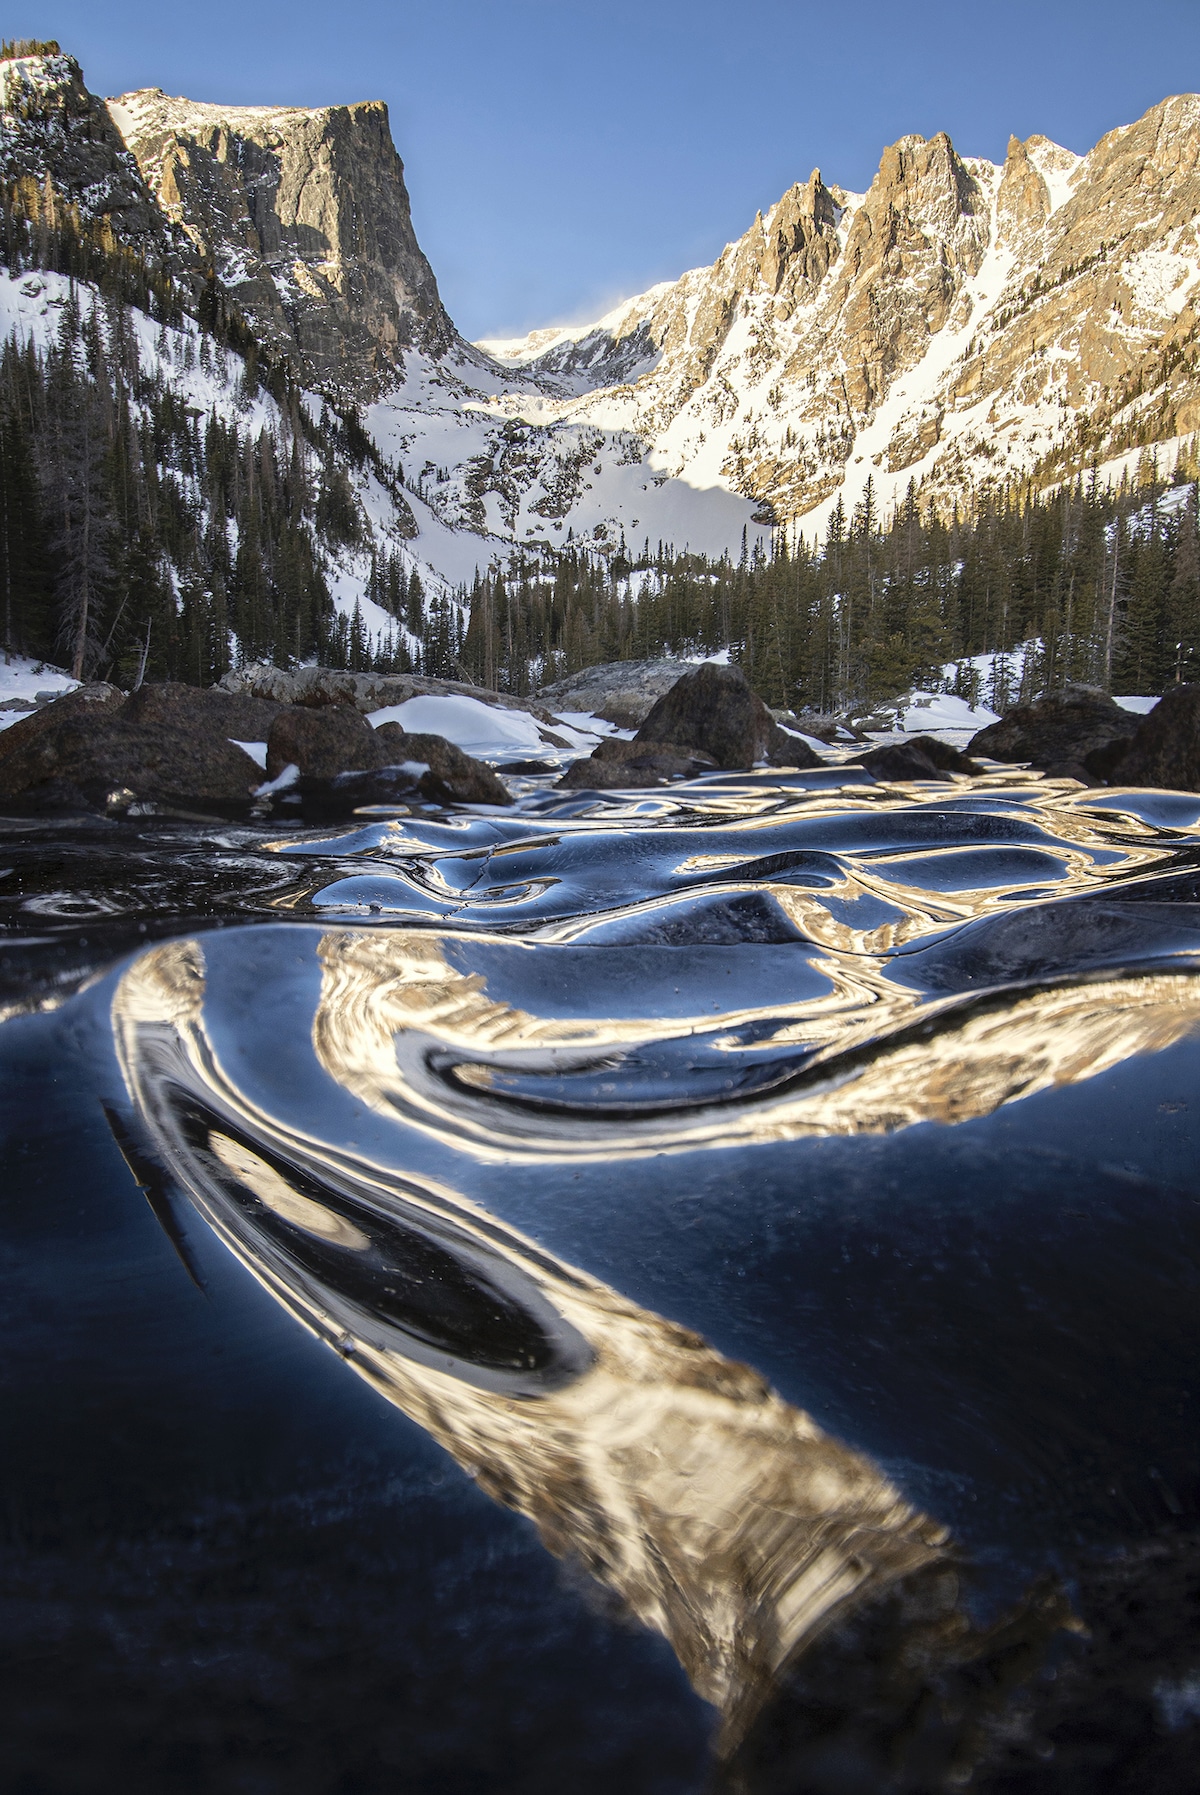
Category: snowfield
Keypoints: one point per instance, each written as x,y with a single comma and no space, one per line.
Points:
21,678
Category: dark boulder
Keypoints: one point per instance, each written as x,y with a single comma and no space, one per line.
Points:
175,706
1103,766
1076,770
714,710
823,725
451,775
83,750
616,765
1166,749
323,741
419,769
789,749
921,757
1065,728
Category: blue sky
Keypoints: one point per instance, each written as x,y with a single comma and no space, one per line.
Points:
562,154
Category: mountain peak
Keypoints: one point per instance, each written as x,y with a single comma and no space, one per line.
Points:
303,215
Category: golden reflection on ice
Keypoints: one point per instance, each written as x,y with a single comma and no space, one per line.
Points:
882,1058
721,1515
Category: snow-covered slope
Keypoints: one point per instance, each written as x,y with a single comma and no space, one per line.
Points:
211,382
492,464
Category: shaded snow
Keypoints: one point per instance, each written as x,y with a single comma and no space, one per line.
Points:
467,722
21,677
927,712
256,750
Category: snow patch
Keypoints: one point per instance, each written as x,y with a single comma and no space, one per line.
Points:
256,750
467,722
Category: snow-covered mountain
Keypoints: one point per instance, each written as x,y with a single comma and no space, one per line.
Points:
299,219
958,325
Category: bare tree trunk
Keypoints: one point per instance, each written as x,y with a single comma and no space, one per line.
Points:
81,630
1112,609
141,672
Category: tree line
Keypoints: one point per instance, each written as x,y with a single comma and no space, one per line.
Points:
1097,583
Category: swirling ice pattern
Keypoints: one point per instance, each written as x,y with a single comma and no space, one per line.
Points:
880,935
748,959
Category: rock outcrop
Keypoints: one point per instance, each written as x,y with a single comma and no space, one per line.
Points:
303,216
90,751
1077,732
1166,749
713,710
367,692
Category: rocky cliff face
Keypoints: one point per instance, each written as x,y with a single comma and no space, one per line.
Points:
304,218
959,325
59,149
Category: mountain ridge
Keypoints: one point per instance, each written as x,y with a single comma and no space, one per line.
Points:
839,297
963,331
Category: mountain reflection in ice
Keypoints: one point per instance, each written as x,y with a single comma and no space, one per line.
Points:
719,1513
603,980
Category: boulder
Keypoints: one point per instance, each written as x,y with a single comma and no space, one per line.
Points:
419,769
921,757
789,749
823,726
232,715
1165,751
714,710
84,701
451,775
1065,728
615,765
84,751
333,738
